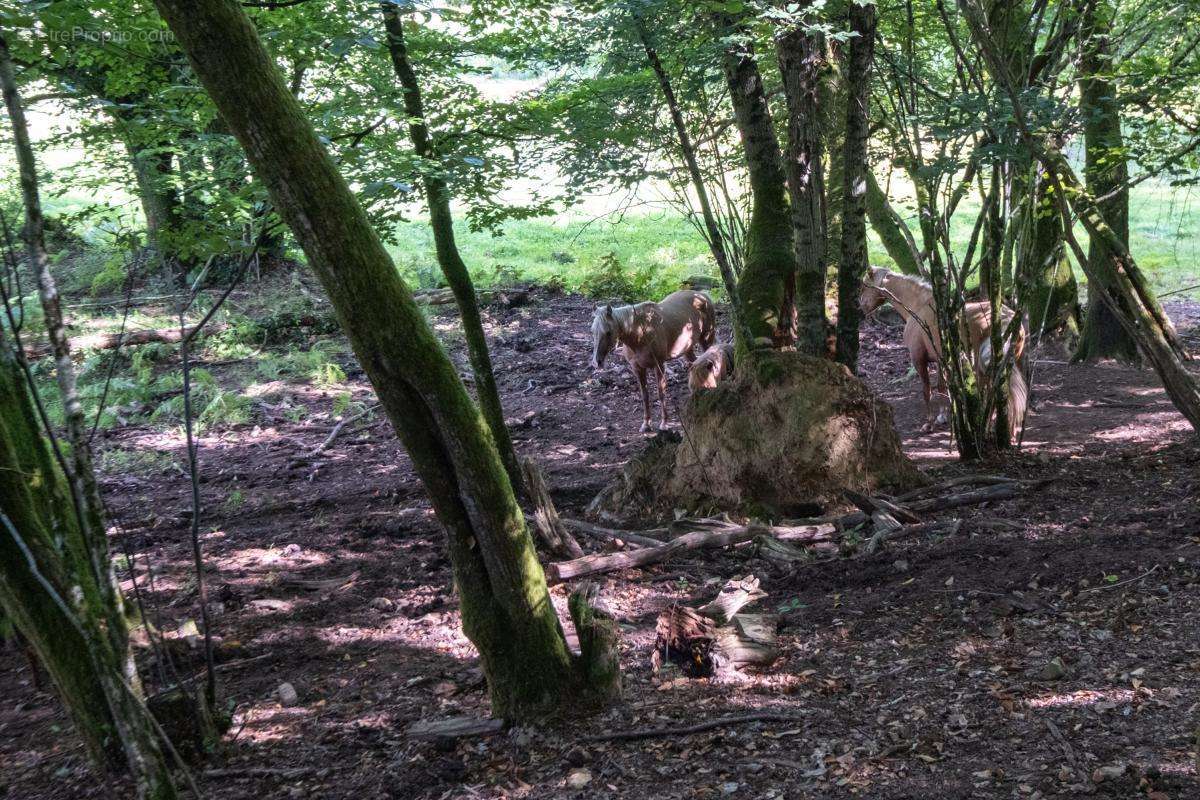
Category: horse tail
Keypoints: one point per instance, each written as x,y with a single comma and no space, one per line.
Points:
1018,402
1018,387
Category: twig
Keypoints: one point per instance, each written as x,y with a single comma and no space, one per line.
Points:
333,434
1121,583
259,772
1179,291
112,364
1068,751
720,722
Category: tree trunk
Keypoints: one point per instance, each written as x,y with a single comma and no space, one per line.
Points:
1140,315
801,58
852,262
767,285
35,504
716,240
1046,285
893,233
506,608
151,171
1106,174
437,194
832,99
84,570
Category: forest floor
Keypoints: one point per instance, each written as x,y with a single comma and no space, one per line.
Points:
919,672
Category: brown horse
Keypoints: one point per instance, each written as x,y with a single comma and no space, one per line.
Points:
913,299
653,334
713,366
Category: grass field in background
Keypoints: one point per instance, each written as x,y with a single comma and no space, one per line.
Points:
663,244
1164,237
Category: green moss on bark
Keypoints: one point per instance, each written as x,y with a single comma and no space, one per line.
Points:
506,606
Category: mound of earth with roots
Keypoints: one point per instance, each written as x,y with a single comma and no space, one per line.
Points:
786,437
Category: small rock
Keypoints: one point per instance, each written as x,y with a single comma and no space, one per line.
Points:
292,550
730,787
1110,772
1054,670
287,695
383,604
900,565
444,689
577,756
579,778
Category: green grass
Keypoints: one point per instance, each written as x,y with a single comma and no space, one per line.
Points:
1164,234
663,245
665,248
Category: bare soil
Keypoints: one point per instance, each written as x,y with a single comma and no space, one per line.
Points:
919,672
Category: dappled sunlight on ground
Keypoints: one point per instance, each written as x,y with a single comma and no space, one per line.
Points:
918,672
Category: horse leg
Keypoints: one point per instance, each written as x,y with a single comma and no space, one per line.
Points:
640,372
921,364
662,396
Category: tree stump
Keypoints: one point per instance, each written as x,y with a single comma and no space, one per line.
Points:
786,437
702,643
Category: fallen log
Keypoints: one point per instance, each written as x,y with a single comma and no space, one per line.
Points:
701,727
699,540
643,538
454,728
508,297
877,505
961,480
1000,491
108,341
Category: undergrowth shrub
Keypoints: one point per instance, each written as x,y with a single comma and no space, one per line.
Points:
609,279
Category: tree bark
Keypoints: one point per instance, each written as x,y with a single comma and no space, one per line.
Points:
437,195
78,543
893,233
1106,174
852,262
1141,316
768,281
801,58
34,503
716,240
506,608
1046,285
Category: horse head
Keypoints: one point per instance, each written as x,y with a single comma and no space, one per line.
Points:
604,334
873,295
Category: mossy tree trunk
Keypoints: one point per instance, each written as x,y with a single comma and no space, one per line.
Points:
506,608
36,506
893,233
1135,305
58,542
801,59
712,230
152,172
768,280
852,261
832,100
1046,286
437,195
1106,175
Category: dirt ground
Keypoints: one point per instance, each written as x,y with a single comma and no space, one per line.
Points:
1053,654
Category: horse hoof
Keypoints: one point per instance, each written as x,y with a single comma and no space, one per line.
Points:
645,427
